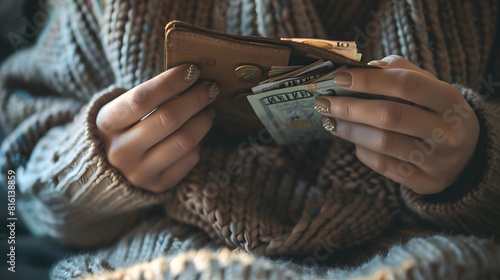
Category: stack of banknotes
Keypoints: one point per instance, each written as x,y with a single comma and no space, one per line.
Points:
285,102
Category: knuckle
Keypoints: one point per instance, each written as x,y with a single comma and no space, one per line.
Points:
384,142
166,120
379,165
390,116
183,143
115,155
103,121
139,99
363,80
455,139
139,95
343,110
408,82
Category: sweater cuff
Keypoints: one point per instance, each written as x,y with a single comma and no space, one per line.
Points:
88,179
470,205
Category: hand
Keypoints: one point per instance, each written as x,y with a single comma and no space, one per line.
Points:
424,142
155,152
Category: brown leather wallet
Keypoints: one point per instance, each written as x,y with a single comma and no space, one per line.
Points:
237,63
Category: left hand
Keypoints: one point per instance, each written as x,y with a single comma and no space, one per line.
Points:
424,143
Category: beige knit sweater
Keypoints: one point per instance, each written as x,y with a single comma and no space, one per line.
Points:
251,210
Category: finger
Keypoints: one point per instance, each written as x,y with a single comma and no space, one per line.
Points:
385,142
132,106
171,116
396,61
402,172
383,114
172,175
177,145
400,84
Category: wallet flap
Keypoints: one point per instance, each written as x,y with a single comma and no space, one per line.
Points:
298,49
235,65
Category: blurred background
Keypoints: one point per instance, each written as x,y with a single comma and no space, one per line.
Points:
34,255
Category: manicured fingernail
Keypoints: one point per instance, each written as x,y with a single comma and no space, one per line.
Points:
192,72
213,90
329,124
343,79
322,105
377,63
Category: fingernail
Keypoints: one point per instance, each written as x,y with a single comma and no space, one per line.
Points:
213,90
192,72
343,79
322,105
329,124
377,63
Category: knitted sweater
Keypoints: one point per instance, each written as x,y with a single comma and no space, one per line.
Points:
253,210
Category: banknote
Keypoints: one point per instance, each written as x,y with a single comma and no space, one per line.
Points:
299,76
329,75
300,71
346,48
285,102
280,70
288,113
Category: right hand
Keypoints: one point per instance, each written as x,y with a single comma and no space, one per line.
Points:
156,152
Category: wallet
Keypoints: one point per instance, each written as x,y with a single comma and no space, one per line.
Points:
237,63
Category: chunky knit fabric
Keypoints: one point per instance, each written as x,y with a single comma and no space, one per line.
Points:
253,210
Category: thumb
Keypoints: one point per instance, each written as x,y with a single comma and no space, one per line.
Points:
399,62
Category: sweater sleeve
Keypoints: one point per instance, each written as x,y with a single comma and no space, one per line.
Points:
50,94
471,204
65,187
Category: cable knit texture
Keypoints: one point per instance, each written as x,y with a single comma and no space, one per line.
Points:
254,210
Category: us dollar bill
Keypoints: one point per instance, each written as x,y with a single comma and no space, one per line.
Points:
303,75
289,114
346,48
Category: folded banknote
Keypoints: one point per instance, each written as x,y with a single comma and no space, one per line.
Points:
289,114
285,102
